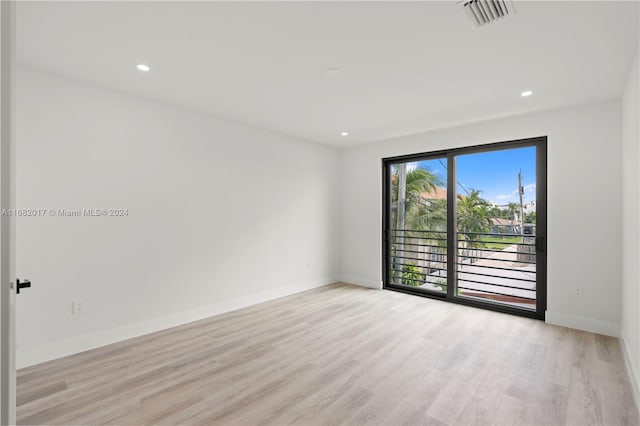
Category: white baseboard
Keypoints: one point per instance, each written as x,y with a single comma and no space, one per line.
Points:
26,357
363,282
608,328
632,370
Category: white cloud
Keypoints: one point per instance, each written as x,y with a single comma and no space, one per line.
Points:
528,189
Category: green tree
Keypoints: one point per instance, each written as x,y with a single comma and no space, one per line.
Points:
473,218
430,215
417,182
412,275
530,217
411,211
513,209
495,211
473,213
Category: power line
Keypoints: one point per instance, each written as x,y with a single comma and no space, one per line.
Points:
458,182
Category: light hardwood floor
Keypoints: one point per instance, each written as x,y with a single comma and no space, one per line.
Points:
340,355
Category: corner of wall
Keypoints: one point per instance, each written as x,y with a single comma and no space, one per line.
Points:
362,282
608,328
632,371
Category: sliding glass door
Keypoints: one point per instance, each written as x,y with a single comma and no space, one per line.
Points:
468,225
418,224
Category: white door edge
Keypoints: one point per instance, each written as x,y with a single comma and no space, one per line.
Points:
7,224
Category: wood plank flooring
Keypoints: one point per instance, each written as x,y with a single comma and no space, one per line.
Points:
340,355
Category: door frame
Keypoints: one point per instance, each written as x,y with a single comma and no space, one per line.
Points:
541,224
7,222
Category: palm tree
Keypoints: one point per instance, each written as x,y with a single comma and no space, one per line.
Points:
408,206
513,208
473,213
473,218
417,182
428,215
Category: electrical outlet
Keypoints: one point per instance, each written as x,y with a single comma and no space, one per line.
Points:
77,307
579,293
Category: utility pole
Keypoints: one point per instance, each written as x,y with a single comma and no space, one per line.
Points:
521,193
402,201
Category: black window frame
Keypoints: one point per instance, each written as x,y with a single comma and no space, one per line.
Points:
540,143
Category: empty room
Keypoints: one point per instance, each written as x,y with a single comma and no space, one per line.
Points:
320,212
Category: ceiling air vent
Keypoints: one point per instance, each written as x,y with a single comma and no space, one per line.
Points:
484,12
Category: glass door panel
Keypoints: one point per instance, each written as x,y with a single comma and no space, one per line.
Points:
418,225
496,227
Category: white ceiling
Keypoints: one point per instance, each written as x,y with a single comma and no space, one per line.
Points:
405,66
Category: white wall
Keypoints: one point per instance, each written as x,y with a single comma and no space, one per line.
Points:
630,329
584,161
220,215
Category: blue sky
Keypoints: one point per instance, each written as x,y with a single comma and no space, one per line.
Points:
495,173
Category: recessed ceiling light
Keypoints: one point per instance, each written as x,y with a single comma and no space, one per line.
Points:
333,71
526,93
344,134
143,67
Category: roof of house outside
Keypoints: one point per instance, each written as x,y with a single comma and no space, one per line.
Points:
435,194
498,221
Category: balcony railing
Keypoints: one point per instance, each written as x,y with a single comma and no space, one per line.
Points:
489,266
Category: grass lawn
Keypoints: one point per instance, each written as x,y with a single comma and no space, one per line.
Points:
498,243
